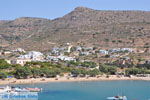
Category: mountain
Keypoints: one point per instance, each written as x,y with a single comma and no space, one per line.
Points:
82,26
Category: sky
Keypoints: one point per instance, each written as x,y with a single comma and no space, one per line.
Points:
51,9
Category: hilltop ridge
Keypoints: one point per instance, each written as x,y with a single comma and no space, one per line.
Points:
82,25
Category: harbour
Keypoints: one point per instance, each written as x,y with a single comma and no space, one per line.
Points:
97,90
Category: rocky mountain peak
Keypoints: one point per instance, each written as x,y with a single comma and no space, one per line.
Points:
82,9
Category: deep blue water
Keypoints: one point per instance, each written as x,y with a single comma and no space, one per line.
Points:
93,90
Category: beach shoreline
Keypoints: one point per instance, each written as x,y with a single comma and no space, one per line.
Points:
65,79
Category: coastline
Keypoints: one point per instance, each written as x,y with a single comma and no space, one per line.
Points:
65,79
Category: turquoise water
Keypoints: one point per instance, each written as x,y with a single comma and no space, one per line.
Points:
94,90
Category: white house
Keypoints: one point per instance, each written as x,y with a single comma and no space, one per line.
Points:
57,50
89,48
79,48
85,53
114,50
34,55
105,52
127,49
114,56
20,61
52,58
19,50
66,58
7,52
69,59
63,58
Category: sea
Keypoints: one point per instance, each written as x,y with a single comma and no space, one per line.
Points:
97,90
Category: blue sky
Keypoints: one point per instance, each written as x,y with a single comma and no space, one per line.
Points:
51,9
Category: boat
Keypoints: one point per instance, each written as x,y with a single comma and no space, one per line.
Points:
117,98
14,90
21,90
33,89
5,89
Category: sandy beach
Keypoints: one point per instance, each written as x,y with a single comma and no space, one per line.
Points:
65,79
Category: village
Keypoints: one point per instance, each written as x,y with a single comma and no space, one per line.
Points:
74,61
66,53
77,53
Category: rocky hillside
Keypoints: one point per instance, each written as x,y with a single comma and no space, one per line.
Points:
81,26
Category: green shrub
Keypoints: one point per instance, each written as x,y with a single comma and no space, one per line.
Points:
3,75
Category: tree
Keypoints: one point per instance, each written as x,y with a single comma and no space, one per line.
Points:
51,73
3,75
79,71
83,72
108,69
88,64
72,63
23,72
94,48
106,40
94,72
4,64
45,70
147,66
56,70
66,69
36,72
120,41
76,72
113,41
103,69
112,70
66,53
16,65
58,65
134,71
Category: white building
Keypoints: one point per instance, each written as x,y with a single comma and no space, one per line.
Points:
57,50
52,58
105,52
34,55
69,59
85,53
89,48
63,58
127,49
114,50
20,61
7,52
78,48
115,56
19,50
